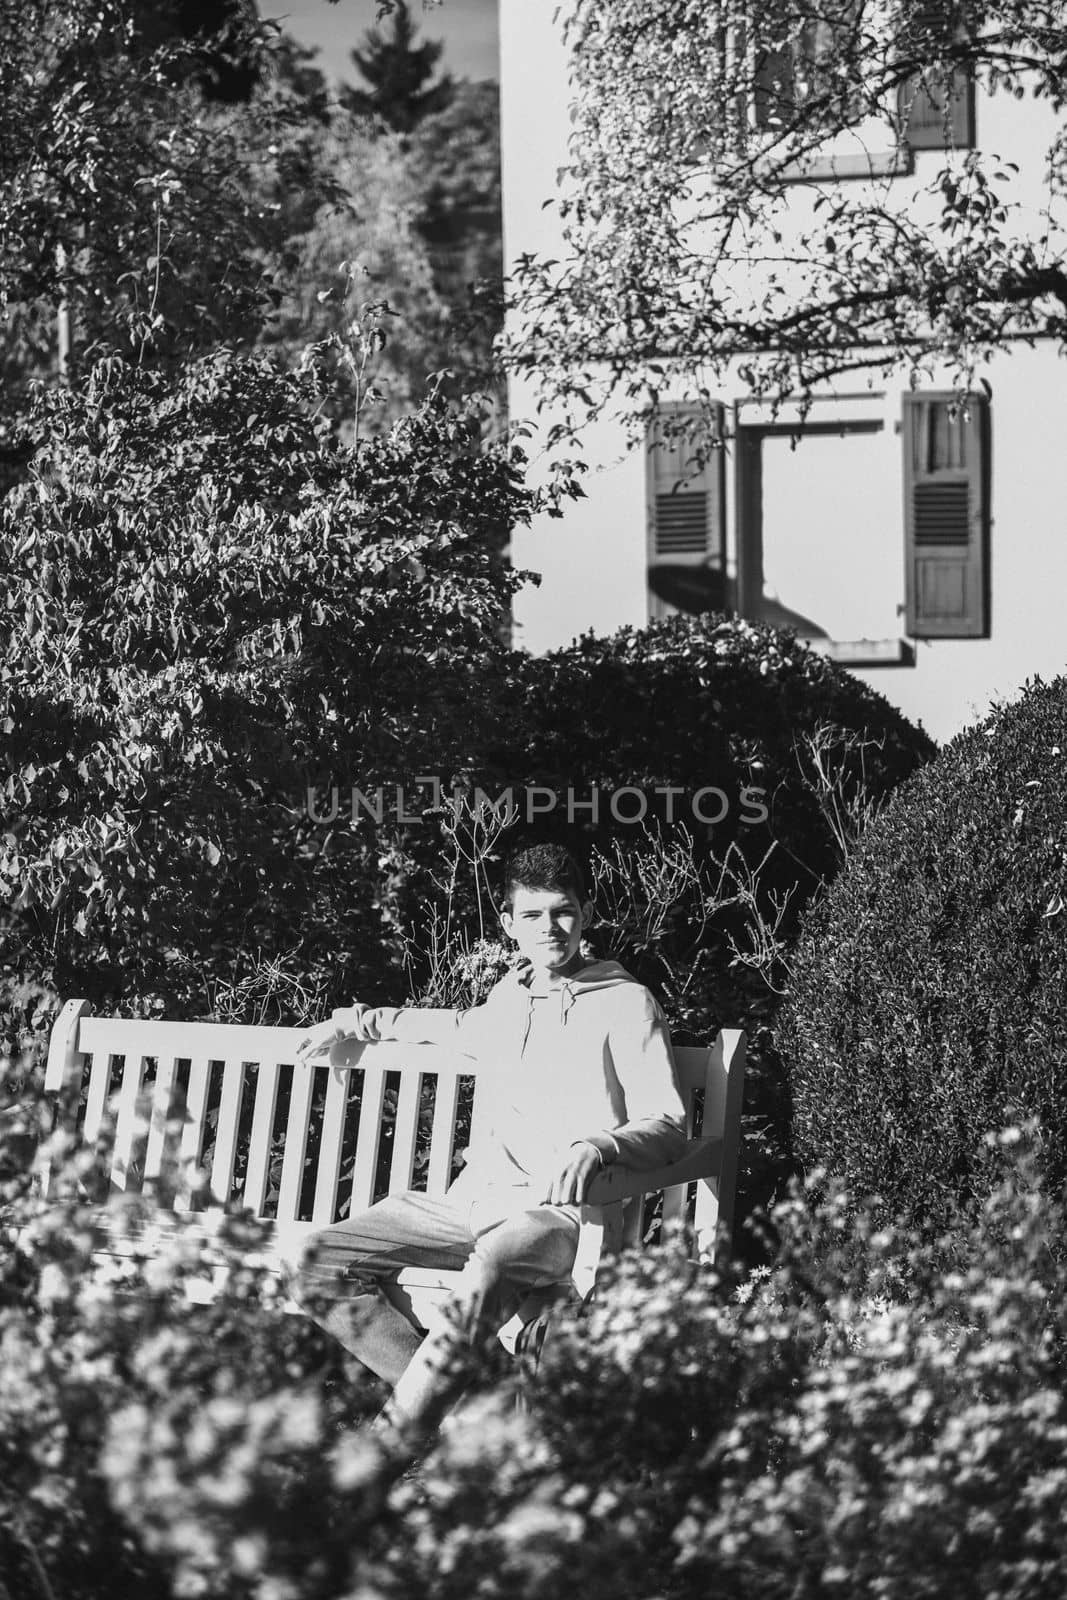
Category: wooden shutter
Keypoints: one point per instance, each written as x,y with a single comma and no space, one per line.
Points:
922,109
946,516
686,514
774,96
927,123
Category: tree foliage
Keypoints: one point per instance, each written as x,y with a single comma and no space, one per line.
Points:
700,231
223,40
167,188
131,198
407,250
210,603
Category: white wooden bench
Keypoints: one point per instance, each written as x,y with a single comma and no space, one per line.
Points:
153,1097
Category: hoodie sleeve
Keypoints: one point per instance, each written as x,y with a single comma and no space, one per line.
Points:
461,1029
421,1024
653,1133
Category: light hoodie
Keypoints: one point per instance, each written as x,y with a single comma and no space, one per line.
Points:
582,1058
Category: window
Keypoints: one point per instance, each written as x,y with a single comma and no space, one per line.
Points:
817,550
946,516
814,58
686,511
795,56
789,70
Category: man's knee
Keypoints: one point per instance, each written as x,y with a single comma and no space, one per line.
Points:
323,1269
531,1251
306,1278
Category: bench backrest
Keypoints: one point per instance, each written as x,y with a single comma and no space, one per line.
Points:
308,1142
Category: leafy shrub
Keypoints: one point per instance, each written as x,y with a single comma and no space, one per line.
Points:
791,753
713,702
805,1434
206,604
927,990
112,1375
210,605
691,698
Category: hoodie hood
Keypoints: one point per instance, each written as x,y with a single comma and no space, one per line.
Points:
587,979
591,975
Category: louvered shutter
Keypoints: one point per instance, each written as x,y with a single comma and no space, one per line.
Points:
946,516
923,108
774,97
686,500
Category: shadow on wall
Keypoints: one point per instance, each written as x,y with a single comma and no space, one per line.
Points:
693,589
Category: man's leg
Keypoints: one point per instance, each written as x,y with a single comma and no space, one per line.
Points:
524,1251
342,1271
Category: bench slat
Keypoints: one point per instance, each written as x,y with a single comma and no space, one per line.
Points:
162,1095
674,1203
96,1099
257,1174
713,1213
126,1122
296,1140
218,1041
226,1129
368,1138
192,1141
442,1136
405,1132
692,1064
333,1137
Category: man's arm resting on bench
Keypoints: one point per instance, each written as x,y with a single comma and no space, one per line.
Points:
700,1158
374,1024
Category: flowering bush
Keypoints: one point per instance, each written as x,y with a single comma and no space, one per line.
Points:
897,1435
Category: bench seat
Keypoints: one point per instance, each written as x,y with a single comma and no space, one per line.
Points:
291,1145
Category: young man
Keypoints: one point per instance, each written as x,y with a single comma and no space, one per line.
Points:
581,1076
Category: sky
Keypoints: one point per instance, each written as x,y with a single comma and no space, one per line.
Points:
467,27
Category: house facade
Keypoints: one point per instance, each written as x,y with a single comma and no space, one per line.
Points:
922,545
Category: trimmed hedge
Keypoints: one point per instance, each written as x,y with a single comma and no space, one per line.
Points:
927,1002
702,702
713,699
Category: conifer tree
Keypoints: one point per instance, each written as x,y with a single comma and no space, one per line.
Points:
400,72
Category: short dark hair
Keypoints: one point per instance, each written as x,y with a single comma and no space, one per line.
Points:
542,866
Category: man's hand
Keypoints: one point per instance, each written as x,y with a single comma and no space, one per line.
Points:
349,1022
572,1184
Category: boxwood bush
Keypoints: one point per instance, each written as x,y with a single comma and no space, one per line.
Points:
927,1001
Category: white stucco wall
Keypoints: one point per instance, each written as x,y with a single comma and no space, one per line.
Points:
833,528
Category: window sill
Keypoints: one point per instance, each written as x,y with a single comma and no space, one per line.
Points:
865,652
896,163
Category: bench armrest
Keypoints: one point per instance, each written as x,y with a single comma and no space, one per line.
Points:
702,1158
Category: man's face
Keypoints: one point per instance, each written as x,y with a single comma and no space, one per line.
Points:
546,924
